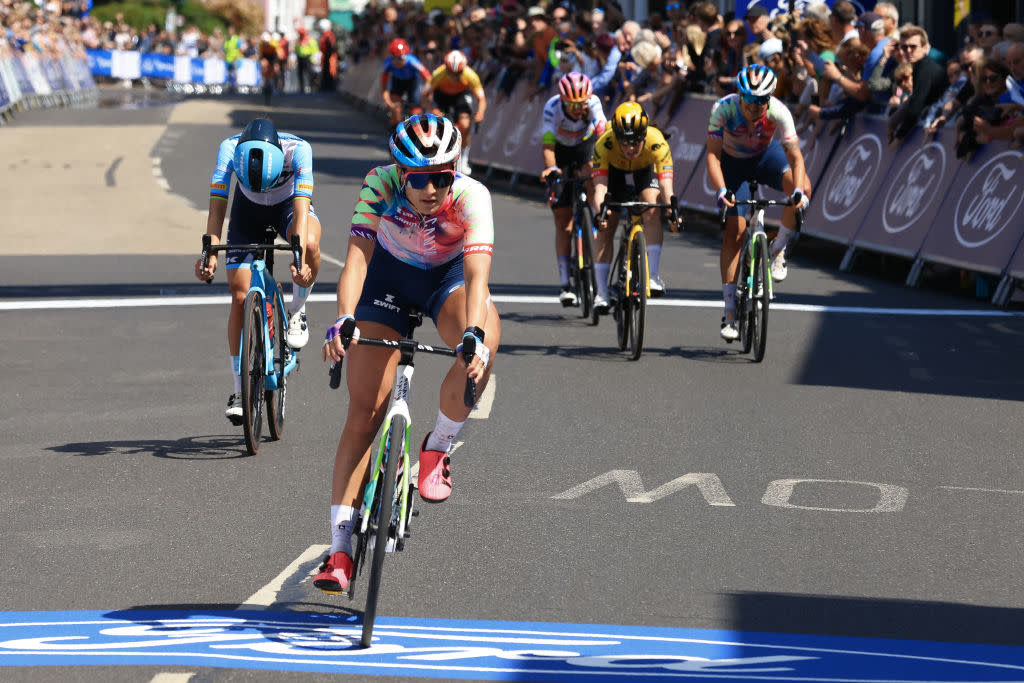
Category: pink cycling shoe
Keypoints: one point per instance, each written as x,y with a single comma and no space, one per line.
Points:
435,479
335,573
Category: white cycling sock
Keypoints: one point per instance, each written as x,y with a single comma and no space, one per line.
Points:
299,296
781,240
445,431
236,362
729,295
563,270
653,258
601,274
343,523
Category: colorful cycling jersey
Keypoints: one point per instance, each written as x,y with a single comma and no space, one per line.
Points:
656,152
296,176
448,83
740,139
558,127
463,225
407,71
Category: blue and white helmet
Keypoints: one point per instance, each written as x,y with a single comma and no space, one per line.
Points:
756,80
259,157
425,140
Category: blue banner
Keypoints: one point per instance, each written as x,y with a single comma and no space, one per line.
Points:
164,67
101,62
157,66
776,7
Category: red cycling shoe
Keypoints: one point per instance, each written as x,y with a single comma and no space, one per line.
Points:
435,479
335,573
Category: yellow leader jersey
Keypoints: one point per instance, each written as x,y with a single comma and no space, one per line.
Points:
656,152
448,83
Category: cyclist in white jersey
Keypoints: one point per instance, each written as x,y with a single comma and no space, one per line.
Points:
573,120
741,146
422,234
275,187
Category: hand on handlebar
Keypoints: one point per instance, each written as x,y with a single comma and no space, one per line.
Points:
799,199
473,355
303,278
726,199
339,335
206,274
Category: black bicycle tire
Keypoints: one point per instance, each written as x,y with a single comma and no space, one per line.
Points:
742,300
252,369
621,302
586,276
762,283
396,442
638,294
275,398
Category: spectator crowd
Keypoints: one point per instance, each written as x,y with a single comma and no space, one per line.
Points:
831,62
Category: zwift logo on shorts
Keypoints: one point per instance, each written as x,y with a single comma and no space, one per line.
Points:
388,303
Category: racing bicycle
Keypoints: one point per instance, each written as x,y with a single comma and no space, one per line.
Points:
387,503
266,359
754,278
629,284
581,244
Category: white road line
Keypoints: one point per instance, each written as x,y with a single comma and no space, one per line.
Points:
972,488
204,300
482,409
172,678
266,596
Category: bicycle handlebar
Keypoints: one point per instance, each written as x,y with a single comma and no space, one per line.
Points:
469,396
209,248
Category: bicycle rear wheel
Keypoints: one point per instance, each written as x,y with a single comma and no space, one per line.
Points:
585,284
253,367
275,398
761,298
637,294
621,302
384,504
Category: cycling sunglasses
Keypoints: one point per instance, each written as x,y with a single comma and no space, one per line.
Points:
756,99
418,180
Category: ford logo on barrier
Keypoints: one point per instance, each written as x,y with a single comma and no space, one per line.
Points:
910,190
989,201
484,650
853,174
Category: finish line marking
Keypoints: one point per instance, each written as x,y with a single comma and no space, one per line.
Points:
224,299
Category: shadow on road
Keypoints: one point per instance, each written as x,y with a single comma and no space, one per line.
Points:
187,448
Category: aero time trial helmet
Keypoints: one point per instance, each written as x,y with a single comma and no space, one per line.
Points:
425,140
756,80
259,157
629,122
575,87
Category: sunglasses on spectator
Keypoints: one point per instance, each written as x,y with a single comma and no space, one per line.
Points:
732,34
991,78
418,180
760,100
986,33
672,5
908,46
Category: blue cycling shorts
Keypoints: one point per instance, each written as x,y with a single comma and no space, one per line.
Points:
248,222
393,286
766,169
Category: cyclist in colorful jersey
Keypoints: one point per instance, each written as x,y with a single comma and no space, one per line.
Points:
275,187
742,145
400,79
422,235
455,85
634,148
573,120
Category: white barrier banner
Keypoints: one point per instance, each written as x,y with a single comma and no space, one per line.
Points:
215,71
125,64
248,73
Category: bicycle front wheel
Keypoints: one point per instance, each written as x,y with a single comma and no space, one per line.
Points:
638,277
744,285
618,298
585,284
253,368
385,505
761,297
275,398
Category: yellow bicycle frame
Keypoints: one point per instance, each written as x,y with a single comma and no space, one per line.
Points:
628,237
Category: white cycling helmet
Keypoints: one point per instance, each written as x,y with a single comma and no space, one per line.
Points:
756,80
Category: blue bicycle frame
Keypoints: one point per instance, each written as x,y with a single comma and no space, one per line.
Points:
266,286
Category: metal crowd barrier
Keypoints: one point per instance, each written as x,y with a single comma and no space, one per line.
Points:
917,201
31,81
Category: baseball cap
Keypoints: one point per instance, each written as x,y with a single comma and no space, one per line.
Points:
871,21
537,11
772,46
755,12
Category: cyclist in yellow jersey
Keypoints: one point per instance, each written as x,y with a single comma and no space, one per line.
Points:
630,147
454,85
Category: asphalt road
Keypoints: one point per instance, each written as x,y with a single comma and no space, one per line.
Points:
865,480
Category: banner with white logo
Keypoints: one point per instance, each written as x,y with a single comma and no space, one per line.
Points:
980,222
908,201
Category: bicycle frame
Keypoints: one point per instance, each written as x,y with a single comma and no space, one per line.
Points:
266,286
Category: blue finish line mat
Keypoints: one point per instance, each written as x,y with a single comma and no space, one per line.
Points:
483,650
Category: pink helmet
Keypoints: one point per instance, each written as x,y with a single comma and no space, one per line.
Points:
575,87
455,61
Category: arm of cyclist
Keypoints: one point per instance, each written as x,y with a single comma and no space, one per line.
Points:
214,228
801,195
481,108
476,270
350,286
302,197
300,206
547,152
726,199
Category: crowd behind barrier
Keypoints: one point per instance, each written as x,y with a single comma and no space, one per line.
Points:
861,86
31,81
914,200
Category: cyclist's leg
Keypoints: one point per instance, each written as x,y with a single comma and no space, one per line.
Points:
735,172
243,213
774,171
562,210
651,192
310,252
